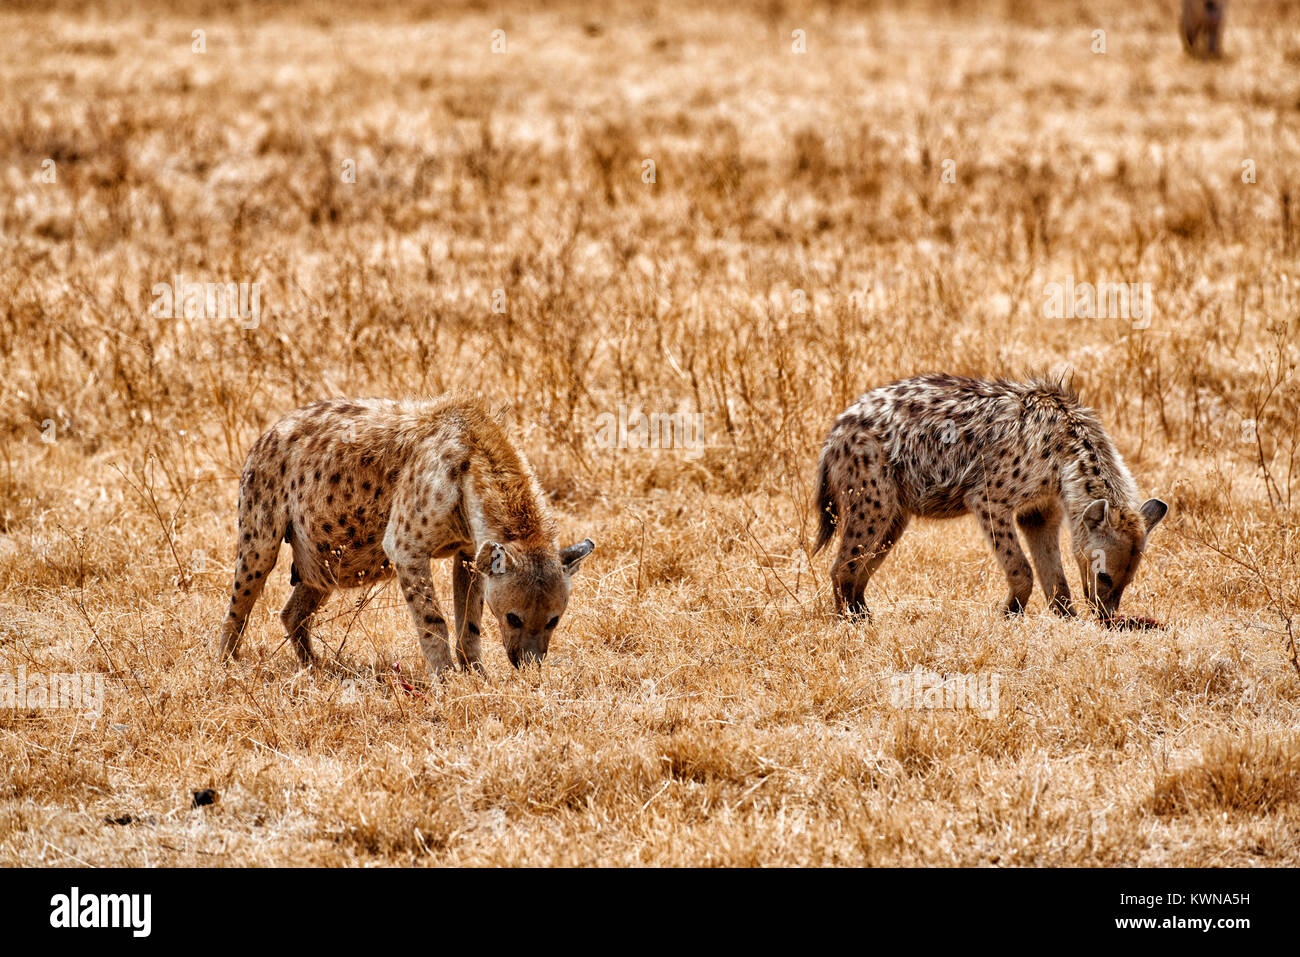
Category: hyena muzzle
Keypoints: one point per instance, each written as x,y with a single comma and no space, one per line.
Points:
368,489
1016,455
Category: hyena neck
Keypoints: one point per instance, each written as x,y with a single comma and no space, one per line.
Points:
1091,468
508,508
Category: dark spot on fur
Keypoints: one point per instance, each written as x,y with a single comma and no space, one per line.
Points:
1033,519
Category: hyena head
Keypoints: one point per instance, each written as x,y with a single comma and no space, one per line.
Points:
1110,548
527,590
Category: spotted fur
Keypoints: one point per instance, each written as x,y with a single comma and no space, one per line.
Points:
368,489
1024,454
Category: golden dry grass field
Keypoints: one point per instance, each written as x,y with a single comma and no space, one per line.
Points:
424,213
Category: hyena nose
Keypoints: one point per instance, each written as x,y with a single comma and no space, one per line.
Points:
1107,607
530,656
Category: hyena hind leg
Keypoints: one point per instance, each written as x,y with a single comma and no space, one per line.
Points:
1041,527
1001,535
866,543
259,547
296,616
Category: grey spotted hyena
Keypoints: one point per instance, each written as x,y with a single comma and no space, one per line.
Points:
1201,25
1014,454
366,489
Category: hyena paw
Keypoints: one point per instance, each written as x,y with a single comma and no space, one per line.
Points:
1063,607
1014,606
855,611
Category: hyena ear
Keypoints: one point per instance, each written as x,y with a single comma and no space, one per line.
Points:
1153,510
1095,514
572,556
493,559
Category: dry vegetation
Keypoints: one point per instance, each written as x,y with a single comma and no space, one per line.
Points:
700,705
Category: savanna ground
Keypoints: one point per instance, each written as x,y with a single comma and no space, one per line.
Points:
798,243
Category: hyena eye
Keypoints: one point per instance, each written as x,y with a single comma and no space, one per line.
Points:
1104,579
553,622
514,621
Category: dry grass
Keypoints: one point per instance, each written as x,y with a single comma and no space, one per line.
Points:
1235,774
700,705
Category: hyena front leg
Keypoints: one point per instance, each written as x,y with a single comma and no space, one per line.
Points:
258,549
998,528
296,616
467,588
426,614
1212,40
419,519
1041,526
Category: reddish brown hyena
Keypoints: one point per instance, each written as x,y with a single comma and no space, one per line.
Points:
1021,454
365,489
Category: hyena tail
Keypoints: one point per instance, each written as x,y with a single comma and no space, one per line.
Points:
827,510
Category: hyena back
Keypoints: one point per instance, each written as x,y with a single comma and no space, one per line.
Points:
1024,455
367,489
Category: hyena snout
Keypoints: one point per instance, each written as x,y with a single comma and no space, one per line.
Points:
526,633
526,638
1102,598
526,642
532,651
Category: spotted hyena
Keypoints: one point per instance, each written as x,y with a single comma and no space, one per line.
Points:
1201,25
367,489
1015,454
